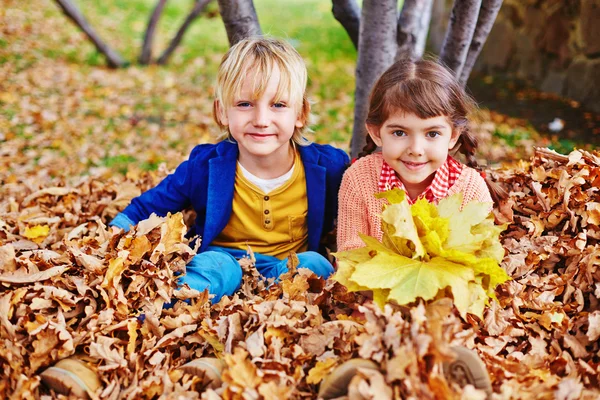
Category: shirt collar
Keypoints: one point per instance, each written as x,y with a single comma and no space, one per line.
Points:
445,176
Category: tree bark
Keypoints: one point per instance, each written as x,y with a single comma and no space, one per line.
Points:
463,19
485,21
113,59
438,25
146,53
413,25
199,6
376,50
347,12
240,19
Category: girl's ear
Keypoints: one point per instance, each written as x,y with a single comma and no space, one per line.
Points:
374,133
456,132
220,113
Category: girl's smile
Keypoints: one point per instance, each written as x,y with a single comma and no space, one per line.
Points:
413,165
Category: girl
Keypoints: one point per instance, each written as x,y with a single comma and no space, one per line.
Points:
417,115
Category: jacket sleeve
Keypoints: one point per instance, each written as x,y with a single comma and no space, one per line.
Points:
170,195
353,217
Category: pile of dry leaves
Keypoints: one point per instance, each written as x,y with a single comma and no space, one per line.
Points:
70,285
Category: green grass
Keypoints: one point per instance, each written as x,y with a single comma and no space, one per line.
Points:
513,137
308,24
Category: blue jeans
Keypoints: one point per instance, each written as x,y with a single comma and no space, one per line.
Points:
218,270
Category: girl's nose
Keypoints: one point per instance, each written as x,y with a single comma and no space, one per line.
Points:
261,117
416,146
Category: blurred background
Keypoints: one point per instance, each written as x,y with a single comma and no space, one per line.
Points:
63,113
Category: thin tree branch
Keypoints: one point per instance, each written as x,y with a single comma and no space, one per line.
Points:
485,21
463,19
146,53
376,50
199,6
113,59
413,26
240,19
347,12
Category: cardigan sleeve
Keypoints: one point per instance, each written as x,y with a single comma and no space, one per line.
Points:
473,187
352,215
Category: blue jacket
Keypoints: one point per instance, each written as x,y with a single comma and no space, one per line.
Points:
206,180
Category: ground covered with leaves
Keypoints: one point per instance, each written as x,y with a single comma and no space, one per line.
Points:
70,285
78,141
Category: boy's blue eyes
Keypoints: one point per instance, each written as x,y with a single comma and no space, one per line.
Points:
248,104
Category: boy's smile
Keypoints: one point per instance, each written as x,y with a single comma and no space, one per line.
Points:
414,147
263,126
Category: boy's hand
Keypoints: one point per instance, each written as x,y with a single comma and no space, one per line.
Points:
122,221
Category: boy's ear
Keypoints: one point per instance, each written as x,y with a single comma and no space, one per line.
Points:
220,113
302,117
374,133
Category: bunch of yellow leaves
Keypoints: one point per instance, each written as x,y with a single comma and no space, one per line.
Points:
427,250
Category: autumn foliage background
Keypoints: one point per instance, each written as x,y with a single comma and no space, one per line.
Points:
78,141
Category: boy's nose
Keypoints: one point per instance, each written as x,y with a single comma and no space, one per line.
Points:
261,117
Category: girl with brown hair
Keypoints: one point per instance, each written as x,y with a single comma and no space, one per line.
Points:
418,114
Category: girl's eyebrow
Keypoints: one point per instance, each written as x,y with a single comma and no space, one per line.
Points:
398,126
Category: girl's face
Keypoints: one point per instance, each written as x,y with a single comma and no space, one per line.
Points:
262,126
414,147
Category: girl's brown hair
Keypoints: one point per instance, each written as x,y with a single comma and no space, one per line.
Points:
427,89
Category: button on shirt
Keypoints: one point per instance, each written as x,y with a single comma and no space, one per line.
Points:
271,223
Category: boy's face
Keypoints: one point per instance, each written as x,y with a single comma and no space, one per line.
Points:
262,127
414,147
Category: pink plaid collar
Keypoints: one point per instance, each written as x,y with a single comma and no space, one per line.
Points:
445,177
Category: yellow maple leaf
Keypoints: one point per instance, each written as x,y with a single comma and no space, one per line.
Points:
426,250
320,371
37,233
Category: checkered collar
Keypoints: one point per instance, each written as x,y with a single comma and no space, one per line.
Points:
445,177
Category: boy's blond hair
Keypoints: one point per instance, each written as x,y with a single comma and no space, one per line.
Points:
261,55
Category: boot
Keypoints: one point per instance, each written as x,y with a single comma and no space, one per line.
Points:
208,368
336,383
71,376
468,369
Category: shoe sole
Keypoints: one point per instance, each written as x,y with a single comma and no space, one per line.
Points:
468,369
336,383
69,377
64,382
210,369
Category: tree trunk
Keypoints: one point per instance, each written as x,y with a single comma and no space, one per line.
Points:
424,24
199,6
438,25
413,25
240,19
146,54
376,50
461,26
347,12
485,21
113,59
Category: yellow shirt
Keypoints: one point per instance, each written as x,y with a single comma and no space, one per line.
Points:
272,224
